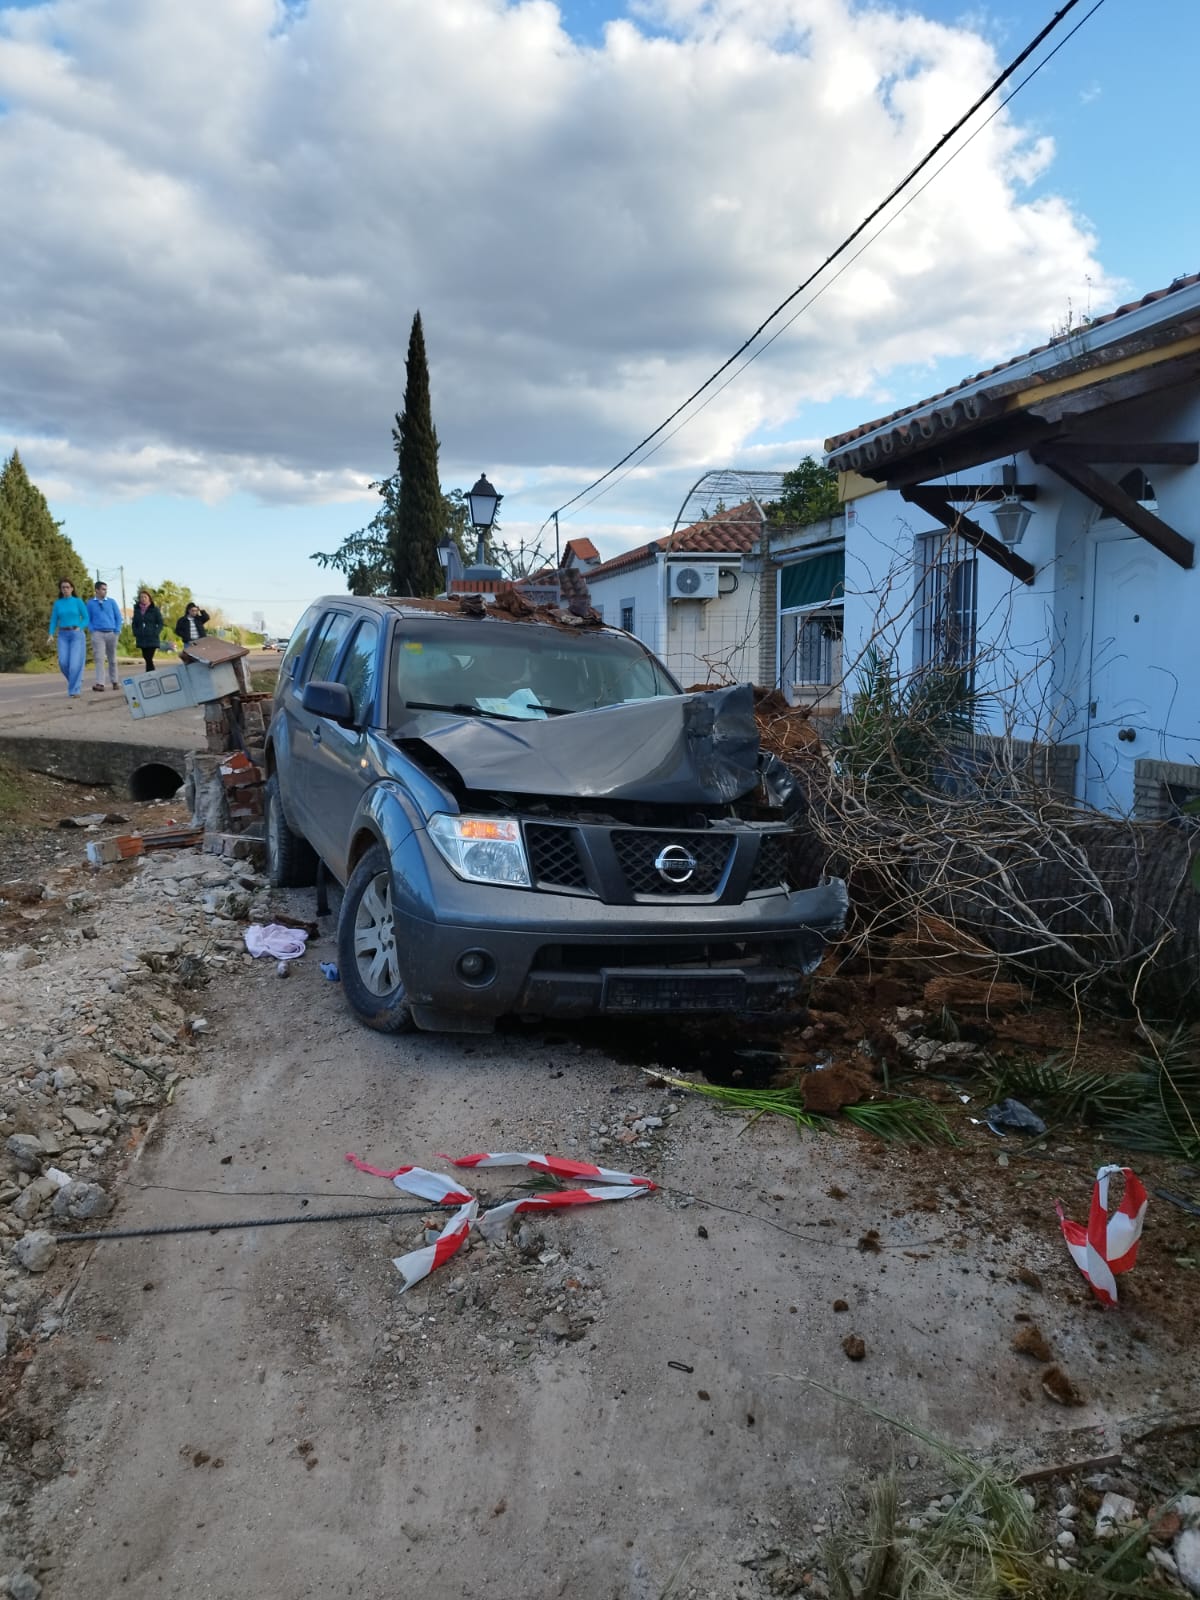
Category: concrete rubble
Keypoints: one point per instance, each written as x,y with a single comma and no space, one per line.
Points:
100,1021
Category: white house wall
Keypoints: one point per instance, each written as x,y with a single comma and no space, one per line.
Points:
714,641
1040,657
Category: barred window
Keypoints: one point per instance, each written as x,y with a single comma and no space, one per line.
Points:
810,647
947,600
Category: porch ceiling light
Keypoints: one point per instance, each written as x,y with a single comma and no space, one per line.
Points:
1012,514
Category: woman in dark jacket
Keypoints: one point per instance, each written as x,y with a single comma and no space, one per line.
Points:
147,623
190,626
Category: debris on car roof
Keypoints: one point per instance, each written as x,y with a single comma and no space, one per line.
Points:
508,606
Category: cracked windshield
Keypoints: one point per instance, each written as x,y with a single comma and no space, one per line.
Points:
524,678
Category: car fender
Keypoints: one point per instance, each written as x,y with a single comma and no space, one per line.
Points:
389,816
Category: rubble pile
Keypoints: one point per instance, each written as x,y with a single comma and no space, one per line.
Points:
102,1016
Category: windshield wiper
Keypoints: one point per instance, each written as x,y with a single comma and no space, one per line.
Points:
462,710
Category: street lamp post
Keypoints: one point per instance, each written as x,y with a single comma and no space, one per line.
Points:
483,502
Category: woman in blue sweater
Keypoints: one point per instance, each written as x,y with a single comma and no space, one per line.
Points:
69,623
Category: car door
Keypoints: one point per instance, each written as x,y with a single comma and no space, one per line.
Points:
309,732
340,763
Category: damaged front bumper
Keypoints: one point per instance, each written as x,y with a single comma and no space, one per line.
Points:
490,952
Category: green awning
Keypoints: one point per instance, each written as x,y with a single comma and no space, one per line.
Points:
814,582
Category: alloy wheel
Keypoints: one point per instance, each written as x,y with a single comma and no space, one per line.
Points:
375,938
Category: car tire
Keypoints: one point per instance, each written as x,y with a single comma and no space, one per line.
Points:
291,860
368,957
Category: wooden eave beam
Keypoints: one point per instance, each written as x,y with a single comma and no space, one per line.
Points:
959,492
1112,452
935,500
1123,506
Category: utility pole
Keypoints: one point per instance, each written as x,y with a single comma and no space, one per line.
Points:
557,556
123,611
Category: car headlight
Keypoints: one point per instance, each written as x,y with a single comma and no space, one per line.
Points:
482,849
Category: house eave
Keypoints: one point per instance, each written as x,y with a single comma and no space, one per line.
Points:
1142,350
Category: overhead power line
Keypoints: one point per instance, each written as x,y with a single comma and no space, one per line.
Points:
1014,66
833,278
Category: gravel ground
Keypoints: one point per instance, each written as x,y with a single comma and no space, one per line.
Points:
607,1403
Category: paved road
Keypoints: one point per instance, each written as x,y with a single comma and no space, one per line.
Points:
34,705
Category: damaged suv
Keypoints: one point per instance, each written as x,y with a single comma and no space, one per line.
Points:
530,818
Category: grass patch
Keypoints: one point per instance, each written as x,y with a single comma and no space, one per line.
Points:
22,794
989,1544
264,679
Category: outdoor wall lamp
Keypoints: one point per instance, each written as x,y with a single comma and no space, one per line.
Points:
1012,515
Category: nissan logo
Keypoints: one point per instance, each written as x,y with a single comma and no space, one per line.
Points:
675,864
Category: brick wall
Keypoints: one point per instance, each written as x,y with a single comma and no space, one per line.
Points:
1050,766
1152,785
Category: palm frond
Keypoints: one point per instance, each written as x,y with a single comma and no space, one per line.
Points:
1154,1109
908,1121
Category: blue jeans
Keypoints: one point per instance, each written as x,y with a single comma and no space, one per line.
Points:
72,654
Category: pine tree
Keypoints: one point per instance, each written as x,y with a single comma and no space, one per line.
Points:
419,516
34,555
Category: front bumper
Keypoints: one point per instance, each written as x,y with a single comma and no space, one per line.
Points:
563,956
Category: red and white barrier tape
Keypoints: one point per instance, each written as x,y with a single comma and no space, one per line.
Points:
420,1181
426,1185
492,1222
1108,1245
557,1166
418,1264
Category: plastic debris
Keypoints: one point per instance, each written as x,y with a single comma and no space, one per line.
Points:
1108,1245
284,944
418,1264
1011,1115
329,970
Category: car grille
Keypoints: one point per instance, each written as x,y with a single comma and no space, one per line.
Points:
771,868
637,851
553,857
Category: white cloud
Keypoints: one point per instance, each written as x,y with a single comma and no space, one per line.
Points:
222,217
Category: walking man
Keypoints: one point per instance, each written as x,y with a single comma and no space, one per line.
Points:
105,617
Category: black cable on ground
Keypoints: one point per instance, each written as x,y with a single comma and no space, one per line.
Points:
255,1222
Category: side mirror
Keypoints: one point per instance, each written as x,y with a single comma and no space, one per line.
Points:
331,700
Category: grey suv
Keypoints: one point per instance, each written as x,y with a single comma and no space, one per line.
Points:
530,818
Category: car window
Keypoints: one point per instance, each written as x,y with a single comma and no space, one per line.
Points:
521,671
296,644
358,672
333,629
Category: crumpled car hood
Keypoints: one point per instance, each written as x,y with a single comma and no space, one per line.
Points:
692,749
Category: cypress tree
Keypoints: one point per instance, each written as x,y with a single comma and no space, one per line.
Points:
419,516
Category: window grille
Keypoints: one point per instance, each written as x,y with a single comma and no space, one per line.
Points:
947,601
809,640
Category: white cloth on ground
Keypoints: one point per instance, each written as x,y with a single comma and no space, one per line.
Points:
284,944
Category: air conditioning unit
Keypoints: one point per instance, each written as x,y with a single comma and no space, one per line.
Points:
689,580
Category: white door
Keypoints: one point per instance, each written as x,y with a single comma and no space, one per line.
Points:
1125,713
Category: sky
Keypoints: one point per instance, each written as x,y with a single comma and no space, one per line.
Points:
220,219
